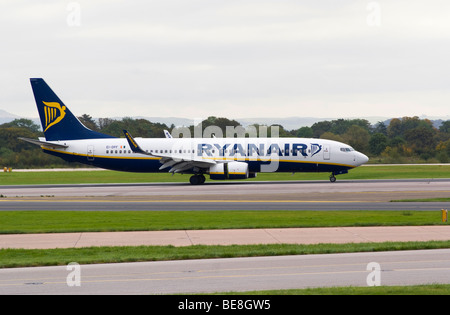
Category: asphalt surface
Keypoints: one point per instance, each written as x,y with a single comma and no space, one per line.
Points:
71,205
236,274
296,195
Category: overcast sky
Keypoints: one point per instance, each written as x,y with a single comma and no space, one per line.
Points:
228,58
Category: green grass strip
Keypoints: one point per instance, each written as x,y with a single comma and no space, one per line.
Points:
16,222
431,289
91,255
423,200
85,177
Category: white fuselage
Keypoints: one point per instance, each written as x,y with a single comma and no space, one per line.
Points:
291,154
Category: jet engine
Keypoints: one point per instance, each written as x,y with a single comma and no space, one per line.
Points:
231,170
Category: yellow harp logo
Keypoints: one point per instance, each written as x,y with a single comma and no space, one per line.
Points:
54,113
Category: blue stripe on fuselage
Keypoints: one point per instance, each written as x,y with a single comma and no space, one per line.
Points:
152,165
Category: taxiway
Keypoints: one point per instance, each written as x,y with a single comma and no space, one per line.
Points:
234,274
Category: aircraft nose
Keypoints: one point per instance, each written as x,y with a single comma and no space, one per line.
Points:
362,158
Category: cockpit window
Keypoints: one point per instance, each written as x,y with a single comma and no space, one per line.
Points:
347,149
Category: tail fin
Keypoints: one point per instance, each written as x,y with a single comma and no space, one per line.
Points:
57,121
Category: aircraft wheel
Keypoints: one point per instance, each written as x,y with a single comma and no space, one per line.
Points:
197,179
194,180
332,178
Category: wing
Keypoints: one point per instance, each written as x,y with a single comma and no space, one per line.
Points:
176,161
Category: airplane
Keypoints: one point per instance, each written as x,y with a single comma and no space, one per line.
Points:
220,158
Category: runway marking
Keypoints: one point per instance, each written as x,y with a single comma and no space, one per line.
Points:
197,278
231,276
194,276
55,280
397,191
191,201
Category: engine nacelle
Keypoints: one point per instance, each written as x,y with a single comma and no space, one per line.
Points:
231,170
237,170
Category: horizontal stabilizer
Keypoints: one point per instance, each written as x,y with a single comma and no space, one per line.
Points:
43,143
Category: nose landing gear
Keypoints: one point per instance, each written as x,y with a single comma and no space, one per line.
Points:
332,178
333,175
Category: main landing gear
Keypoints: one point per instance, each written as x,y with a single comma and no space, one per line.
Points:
197,179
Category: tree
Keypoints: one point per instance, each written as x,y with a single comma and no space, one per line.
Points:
381,128
88,122
421,140
9,138
104,122
341,126
377,143
395,128
320,128
304,132
445,126
358,138
444,131
23,123
137,127
338,126
331,136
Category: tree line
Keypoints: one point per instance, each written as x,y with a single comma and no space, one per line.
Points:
400,140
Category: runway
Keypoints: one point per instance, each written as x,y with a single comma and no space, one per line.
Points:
296,195
236,274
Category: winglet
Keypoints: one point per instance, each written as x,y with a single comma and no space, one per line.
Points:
133,144
167,134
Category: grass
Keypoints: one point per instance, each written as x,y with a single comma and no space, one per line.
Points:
423,200
86,177
14,222
432,289
77,221
90,255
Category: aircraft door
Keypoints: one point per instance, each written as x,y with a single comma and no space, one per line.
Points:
326,152
90,153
